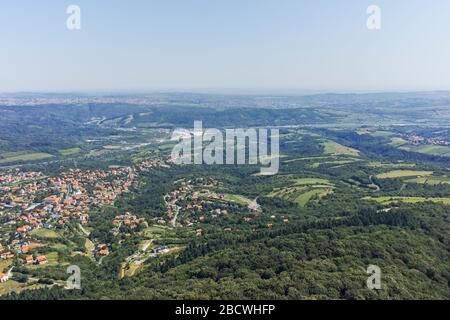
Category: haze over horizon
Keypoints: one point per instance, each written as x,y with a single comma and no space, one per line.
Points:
236,47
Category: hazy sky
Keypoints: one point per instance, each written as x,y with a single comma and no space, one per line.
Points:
225,45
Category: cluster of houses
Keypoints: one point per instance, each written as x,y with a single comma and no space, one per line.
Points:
194,201
128,220
37,260
101,250
30,200
16,177
436,141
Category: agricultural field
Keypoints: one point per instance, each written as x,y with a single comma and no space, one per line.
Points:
310,181
335,148
52,258
431,180
392,200
302,190
304,198
397,141
45,233
335,163
403,173
5,265
69,152
429,149
376,164
158,232
235,198
24,157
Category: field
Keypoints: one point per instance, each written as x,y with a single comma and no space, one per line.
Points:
52,258
390,200
89,246
69,152
158,232
11,286
304,198
332,147
432,180
429,149
5,265
336,163
396,141
310,181
243,201
44,233
376,164
403,173
308,159
301,195
25,157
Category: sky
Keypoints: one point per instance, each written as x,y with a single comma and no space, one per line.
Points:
224,45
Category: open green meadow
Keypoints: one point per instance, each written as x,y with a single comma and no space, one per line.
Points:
391,200
25,157
403,173
44,233
335,148
69,152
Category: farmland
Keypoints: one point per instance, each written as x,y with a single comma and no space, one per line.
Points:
70,152
394,200
403,173
24,157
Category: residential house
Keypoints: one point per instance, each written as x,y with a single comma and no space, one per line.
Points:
41,260
3,277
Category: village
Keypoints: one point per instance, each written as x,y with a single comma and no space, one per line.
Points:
31,202
196,201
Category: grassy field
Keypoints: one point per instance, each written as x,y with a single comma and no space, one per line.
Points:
332,147
157,232
243,201
304,198
403,173
59,246
376,133
390,200
429,149
289,193
11,286
26,157
301,195
52,258
69,152
310,181
309,158
375,164
5,265
396,141
337,162
432,180
44,233
89,246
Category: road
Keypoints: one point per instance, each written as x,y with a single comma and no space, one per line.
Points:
374,185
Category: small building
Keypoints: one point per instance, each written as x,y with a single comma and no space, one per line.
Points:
103,252
41,260
29,260
3,277
7,256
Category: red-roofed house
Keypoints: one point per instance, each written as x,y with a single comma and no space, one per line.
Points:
3,277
